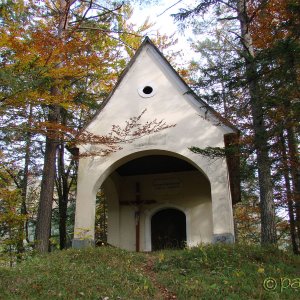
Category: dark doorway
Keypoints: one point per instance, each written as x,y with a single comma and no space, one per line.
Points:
168,229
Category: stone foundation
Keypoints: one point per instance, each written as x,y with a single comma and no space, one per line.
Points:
80,244
224,238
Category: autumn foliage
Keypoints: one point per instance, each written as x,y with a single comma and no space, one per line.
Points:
272,21
59,60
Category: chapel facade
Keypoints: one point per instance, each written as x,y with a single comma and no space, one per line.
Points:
159,193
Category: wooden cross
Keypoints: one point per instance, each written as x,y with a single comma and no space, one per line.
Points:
138,204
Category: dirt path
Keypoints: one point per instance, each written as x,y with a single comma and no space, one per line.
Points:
163,291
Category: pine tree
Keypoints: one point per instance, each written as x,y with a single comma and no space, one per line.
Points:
238,12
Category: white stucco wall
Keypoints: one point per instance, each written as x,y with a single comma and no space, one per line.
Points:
195,126
191,195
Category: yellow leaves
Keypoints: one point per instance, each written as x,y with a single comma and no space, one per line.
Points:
62,72
4,40
10,199
239,273
260,270
161,257
82,64
39,97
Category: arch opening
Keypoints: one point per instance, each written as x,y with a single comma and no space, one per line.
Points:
118,164
149,190
168,229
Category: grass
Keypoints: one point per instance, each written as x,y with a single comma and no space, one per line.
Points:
78,274
230,272
204,272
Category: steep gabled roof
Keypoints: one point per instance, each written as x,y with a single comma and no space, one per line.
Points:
147,41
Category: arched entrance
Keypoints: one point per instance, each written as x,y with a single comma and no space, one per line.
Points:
144,188
168,229
145,185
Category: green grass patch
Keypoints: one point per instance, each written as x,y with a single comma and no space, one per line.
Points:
78,274
204,272
229,272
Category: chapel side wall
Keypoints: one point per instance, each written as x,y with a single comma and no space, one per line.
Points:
110,187
84,228
221,203
127,228
201,225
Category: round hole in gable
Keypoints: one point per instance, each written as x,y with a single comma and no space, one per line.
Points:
147,90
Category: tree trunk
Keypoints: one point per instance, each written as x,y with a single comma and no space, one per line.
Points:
24,227
43,226
63,206
295,172
289,195
268,227
290,120
224,100
63,194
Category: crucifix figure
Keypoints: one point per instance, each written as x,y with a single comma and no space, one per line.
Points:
138,203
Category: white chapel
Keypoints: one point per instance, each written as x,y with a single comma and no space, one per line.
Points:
159,193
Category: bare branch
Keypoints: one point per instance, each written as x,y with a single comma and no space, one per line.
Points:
118,136
169,8
87,10
228,19
109,31
106,11
111,36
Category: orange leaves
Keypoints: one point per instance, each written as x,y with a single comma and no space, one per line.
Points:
247,218
61,56
44,60
186,75
54,130
35,52
80,59
268,24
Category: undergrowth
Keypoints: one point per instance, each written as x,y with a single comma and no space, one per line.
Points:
203,272
230,272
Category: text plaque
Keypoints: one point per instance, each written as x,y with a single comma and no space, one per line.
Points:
167,186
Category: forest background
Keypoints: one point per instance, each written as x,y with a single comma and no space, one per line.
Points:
60,59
